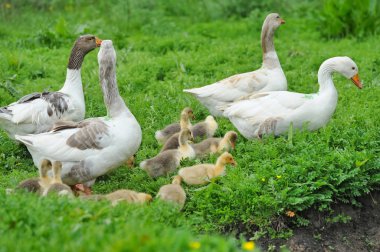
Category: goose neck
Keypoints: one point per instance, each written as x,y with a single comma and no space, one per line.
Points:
325,77
73,82
112,99
270,58
76,58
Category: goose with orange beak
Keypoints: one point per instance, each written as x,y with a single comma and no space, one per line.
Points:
273,112
37,112
269,77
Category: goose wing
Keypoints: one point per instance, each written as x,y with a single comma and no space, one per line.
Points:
69,141
232,88
37,108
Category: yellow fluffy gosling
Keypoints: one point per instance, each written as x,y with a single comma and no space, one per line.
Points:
56,185
128,196
201,174
173,192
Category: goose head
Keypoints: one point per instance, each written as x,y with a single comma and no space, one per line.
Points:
345,66
87,43
273,20
106,54
348,68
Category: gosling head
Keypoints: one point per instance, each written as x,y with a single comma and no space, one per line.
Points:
144,197
227,158
232,138
187,113
45,167
186,135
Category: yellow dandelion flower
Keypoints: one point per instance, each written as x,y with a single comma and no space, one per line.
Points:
278,176
195,245
7,5
291,214
248,246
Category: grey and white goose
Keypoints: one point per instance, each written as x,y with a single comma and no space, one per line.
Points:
37,112
94,146
269,77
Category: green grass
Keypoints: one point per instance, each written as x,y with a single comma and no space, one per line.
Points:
160,52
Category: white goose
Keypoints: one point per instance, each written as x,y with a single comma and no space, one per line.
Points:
37,112
273,112
269,77
95,146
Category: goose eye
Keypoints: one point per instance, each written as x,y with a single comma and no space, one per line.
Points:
278,17
353,68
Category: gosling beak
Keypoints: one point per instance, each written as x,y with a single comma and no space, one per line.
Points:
98,41
79,187
356,81
148,198
282,21
82,188
234,163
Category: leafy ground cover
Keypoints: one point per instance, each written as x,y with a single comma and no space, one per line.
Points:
164,47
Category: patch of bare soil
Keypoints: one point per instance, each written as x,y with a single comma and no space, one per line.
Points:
347,229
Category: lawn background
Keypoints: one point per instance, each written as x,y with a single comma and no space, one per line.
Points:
162,48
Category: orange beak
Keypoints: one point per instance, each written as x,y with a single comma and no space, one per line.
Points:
233,162
356,81
98,41
233,145
282,21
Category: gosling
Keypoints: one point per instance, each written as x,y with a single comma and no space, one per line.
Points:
128,196
168,161
216,145
203,173
37,185
203,129
173,192
163,135
56,185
